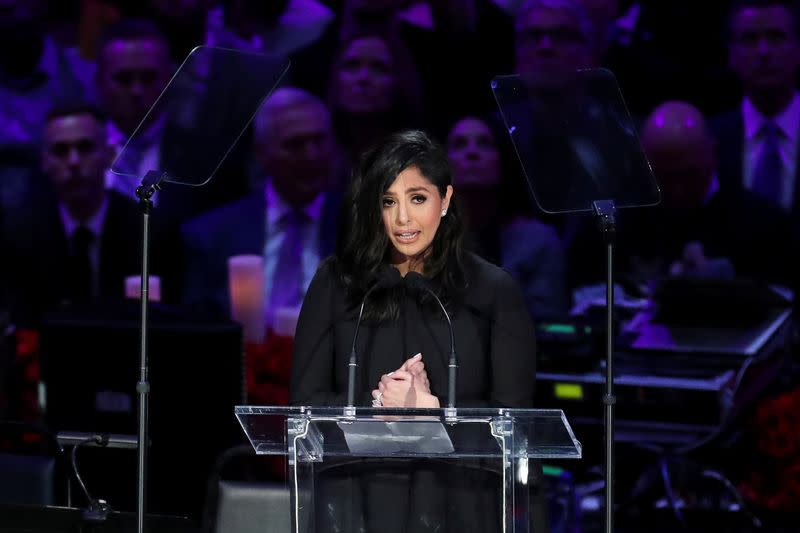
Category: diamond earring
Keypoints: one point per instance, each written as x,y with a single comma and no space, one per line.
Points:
444,212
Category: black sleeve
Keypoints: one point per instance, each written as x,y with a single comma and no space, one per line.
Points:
513,349
313,378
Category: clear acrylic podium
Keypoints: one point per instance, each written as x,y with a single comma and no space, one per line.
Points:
502,441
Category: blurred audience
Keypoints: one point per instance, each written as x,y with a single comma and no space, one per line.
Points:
603,14
670,50
554,36
527,248
184,24
701,229
74,242
759,140
133,67
475,162
291,221
457,47
374,90
34,73
279,27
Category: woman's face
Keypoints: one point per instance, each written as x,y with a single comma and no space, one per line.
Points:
473,154
412,210
365,79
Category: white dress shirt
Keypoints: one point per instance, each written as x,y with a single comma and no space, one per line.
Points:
788,122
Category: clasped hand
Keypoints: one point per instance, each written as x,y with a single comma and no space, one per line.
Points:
408,386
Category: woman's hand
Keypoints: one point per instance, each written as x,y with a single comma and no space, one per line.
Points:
396,389
408,386
427,400
416,367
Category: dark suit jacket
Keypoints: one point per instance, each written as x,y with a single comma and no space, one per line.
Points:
36,254
729,131
235,229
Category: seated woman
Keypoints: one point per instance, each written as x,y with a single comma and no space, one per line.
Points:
499,223
402,214
373,90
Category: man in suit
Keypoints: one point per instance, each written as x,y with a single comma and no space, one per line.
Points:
187,134
700,229
72,242
758,142
291,221
133,67
552,38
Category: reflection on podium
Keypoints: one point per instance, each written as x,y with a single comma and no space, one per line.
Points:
409,470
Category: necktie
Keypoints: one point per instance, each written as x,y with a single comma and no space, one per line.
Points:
769,167
287,280
81,280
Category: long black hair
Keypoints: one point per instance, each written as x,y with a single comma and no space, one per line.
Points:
362,246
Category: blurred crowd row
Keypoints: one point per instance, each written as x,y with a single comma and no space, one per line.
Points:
713,92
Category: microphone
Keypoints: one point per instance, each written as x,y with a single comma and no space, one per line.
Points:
415,280
386,278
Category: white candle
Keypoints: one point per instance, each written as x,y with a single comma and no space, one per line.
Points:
133,288
246,291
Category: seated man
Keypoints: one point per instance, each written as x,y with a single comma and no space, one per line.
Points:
72,241
759,139
35,71
698,225
133,67
291,222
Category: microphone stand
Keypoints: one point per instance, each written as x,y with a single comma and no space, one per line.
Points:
604,210
150,184
352,364
97,510
417,281
385,280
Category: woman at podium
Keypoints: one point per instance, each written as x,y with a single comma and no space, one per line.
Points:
402,217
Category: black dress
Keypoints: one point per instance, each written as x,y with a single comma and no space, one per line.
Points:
496,354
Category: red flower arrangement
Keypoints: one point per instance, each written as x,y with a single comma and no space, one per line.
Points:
774,481
267,368
26,361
